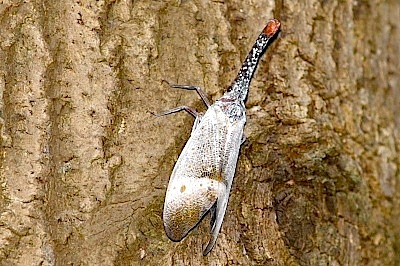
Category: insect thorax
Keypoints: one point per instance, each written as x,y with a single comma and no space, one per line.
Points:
232,106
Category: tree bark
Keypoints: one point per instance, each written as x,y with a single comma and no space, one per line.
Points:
85,163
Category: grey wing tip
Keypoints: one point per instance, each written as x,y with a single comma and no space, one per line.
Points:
210,244
214,235
218,214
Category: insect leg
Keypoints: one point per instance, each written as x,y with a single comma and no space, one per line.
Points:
188,109
201,93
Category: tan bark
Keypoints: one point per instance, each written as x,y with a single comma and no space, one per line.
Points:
85,164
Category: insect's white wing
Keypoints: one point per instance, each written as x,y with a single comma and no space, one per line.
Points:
203,174
234,136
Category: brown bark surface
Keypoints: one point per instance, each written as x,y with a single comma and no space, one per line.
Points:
85,164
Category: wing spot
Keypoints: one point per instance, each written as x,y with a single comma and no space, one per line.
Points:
183,188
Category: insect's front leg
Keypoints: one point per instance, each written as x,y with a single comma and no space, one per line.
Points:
199,91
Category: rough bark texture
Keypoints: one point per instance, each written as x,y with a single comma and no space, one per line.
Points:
85,164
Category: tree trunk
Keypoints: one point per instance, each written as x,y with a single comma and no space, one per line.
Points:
85,163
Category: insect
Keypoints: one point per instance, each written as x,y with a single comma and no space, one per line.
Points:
202,177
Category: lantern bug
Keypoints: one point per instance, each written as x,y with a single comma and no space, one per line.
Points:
202,176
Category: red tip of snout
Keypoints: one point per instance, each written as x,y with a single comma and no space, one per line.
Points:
272,27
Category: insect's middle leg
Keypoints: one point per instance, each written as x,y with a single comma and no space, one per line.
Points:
188,109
